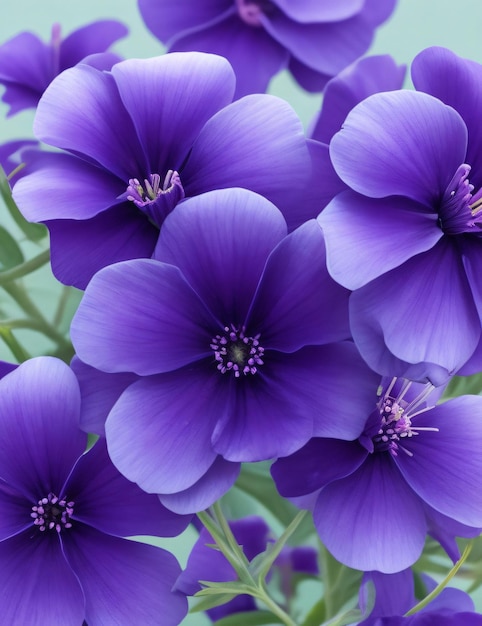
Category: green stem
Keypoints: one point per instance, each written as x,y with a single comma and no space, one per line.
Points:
266,599
19,353
25,268
441,586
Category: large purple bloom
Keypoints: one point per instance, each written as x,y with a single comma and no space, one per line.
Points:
407,236
228,335
28,65
64,515
141,138
314,40
415,469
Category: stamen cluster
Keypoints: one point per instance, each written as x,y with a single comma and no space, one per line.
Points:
236,352
52,513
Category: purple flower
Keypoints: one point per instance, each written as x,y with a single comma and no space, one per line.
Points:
314,40
142,137
229,331
406,237
395,596
64,515
415,469
254,535
11,155
28,65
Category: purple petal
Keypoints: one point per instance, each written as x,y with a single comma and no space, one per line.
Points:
102,60
217,481
89,39
370,157
355,83
257,143
169,99
83,103
391,313
63,186
112,504
306,77
124,582
161,325
366,237
313,11
394,594
318,463
99,392
15,510
297,302
220,241
38,586
80,248
445,529
443,74
159,431
39,415
365,518
446,465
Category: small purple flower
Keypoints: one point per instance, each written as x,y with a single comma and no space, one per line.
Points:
220,348
142,137
64,514
415,469
314,40
28,65
254,535
407,236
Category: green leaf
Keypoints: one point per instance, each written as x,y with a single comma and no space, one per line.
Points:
232,587
209,602
10,253
461,385
34,232
353,616
249,618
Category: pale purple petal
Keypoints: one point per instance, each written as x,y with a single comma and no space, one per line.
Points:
124,582
257,143
39,414
37,585
89,39
169,98
159,431
372,520
214,484
391,313
297,302
220,241
314,11
161,325
367,237
370,157
446,465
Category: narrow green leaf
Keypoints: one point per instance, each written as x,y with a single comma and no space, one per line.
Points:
214,588
249,618
10,252
34,232
461,385
209,602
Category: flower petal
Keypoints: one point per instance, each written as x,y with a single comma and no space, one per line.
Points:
169,98
371,157
37,585
372,520
445,529
90,39
313,11
159,431
124,582
446,465
220,241
161,325
39,415
366,237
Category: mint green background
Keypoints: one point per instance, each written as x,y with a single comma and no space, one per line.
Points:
415,25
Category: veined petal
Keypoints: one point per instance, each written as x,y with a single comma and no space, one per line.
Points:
26,60
159,431
169,98
366,237
220,241
400,143
124,582
161,325
89,39
372,520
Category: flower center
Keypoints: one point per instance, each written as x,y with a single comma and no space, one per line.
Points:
461,211
154,200
394,418
52,513
237,353
250,11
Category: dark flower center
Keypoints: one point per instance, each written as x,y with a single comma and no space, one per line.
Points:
52,513
154,200
393,418
460,210
250,11
237,353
